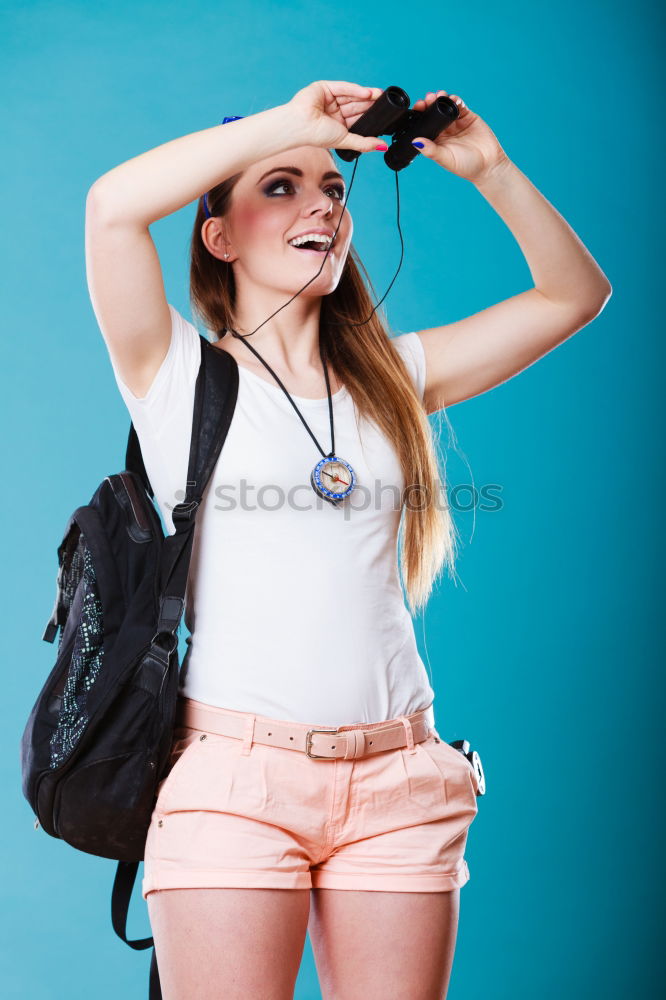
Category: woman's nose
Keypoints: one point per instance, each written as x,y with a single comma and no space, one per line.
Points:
329,210
323,204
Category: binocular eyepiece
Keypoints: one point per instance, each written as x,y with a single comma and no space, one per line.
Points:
391,115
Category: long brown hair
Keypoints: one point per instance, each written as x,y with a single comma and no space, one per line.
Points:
367,363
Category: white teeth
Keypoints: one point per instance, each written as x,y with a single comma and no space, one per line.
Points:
310,238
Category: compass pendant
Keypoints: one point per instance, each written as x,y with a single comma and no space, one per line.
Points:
333,479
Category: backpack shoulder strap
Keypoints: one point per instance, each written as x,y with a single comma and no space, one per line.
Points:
214,403
120,901
215,399
134,460
215,395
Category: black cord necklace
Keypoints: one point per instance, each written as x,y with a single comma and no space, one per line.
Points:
332,478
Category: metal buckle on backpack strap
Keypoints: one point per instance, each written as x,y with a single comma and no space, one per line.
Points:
171,610
173,636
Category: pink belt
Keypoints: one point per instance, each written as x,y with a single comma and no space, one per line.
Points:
319,744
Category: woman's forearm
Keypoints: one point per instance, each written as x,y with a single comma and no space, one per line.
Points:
165,179
561,266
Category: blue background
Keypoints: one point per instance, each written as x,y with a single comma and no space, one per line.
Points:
545,654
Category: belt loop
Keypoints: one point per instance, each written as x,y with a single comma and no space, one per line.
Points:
248,737
409,732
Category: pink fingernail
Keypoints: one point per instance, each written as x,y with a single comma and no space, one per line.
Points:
382,147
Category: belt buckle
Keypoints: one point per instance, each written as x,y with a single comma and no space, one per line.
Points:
308,744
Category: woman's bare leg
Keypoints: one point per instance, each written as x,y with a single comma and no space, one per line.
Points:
371,945
231,943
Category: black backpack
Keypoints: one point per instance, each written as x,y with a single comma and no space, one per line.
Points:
97,742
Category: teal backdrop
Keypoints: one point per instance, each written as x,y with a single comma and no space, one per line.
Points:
546,651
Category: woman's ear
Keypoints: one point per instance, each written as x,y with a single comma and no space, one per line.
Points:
213,236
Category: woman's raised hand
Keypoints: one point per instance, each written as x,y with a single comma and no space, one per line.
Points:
468,147
325,110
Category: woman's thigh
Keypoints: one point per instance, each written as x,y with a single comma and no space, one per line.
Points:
231,943
369,945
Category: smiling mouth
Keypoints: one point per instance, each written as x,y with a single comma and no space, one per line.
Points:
318,246
312,250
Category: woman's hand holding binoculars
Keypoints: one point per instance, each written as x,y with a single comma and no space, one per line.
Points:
324,111
342,115
467,147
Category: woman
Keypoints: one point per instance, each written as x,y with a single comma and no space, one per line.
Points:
300,619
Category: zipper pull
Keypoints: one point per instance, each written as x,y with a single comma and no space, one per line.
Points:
36,823
51,630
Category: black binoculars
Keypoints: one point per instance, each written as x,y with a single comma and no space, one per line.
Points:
391,115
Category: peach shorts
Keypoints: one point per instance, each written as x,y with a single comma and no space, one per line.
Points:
246,815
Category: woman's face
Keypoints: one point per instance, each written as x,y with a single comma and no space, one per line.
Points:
271,205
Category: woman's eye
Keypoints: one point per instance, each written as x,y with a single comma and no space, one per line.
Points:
338,188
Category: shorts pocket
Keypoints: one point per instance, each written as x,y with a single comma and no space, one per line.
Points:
452,760
425,781
186,746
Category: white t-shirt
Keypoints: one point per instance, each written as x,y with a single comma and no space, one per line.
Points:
294,606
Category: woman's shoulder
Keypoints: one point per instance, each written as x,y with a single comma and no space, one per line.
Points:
174,382
182,358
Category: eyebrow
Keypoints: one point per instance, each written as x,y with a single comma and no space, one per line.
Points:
297,172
